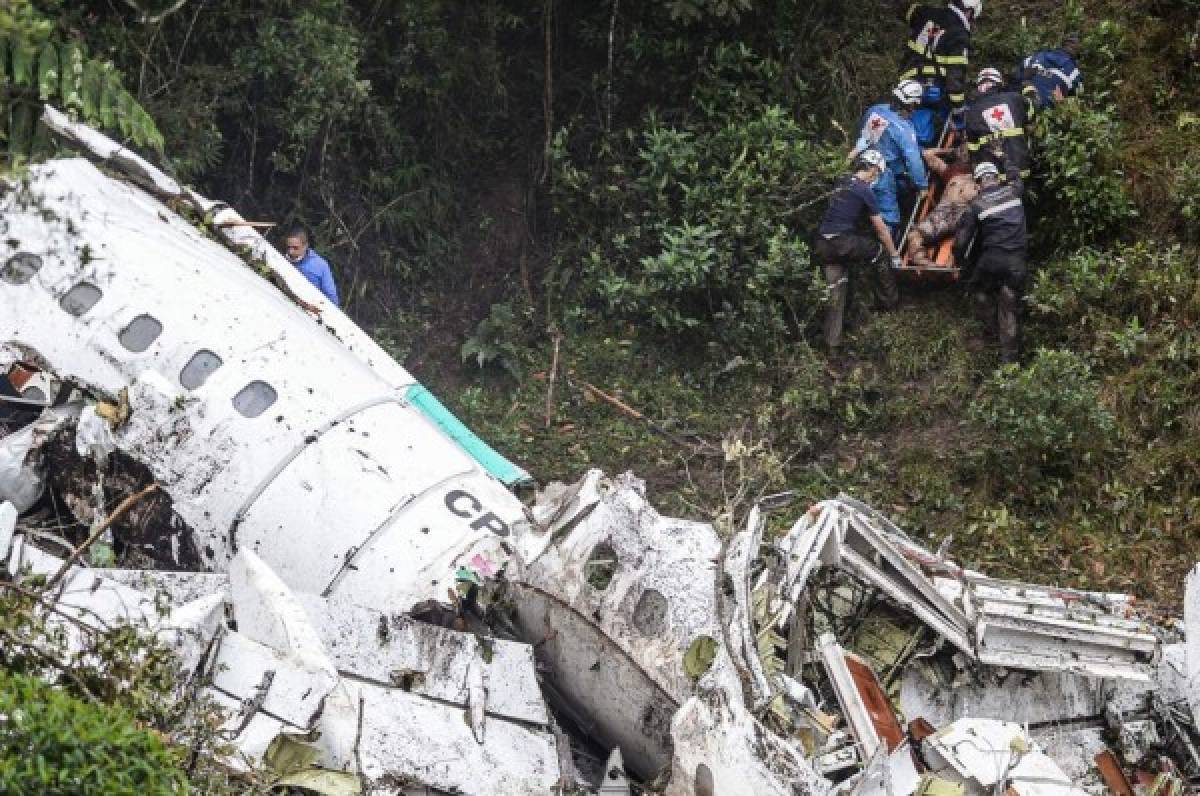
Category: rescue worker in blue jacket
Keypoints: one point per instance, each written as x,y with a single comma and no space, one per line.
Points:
993,228
314,267
1053,73
886,127
997,122
840,245
937,56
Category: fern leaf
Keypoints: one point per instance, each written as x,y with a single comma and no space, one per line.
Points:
48,72
108,101
92,90
23,55
72,76
125,112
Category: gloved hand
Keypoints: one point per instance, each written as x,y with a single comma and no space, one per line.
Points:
896,262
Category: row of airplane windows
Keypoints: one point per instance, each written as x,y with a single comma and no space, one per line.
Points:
250,401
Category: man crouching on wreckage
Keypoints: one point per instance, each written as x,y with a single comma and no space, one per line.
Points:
345,566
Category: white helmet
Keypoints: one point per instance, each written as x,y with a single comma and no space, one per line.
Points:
989,75
986,169
871,158
972,5
908,92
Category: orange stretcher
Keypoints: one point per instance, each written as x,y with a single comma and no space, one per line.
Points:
942,253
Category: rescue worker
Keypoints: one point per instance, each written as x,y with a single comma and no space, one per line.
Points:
839,244
993,228
996,122
886,128
937,56
1054,74
314,267
952,169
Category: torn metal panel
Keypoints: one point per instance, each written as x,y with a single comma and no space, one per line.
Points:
721,749
736,608
397,650
8,525
91,600
887,774
855,711
1191,619
177,587
982,753
613,781
21,476
616,644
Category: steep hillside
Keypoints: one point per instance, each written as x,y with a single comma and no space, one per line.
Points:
587,225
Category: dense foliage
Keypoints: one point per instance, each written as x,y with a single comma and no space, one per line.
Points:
53,743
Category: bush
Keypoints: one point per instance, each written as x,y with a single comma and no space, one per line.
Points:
1042,420
1081,193
692,229
52,743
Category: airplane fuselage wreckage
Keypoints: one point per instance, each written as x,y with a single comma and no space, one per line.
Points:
345,565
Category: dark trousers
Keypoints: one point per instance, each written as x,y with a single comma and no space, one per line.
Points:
1000,276
838,256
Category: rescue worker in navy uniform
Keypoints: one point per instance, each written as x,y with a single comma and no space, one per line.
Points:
997,121
1054,74
886,127
937,56
993,228
839,244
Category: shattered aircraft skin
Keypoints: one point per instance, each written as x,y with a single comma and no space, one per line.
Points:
325,511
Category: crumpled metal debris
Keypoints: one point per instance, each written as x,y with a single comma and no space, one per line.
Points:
713,663
21,475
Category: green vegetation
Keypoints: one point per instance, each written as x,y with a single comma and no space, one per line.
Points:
639,182
53,743
37,66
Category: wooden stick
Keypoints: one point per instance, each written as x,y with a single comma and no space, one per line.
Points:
553,375
119,512
255,224
617,402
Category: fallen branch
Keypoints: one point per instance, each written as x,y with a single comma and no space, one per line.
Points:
697,446
120,511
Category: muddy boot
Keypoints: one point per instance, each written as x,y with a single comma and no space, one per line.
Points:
1006,324
838,279
887,292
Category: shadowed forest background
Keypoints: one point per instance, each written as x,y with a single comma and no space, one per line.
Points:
520,199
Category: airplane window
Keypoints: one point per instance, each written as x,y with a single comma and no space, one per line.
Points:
140,333
254,399
20,268
80,299
202,365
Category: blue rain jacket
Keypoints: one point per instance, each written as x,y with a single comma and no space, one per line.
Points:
317,271
894,136
1058,71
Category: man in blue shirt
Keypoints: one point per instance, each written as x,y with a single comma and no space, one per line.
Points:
1054,73
839,243
886,127
309,263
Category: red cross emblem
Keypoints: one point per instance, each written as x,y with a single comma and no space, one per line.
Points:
998,114
935,31
878,122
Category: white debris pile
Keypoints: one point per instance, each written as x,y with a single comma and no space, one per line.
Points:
383,696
